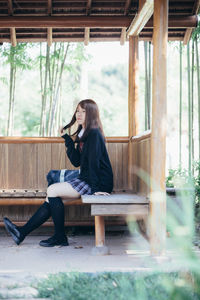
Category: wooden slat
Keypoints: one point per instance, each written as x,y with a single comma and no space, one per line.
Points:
49,36
124,166
65,22
127,7
23,201
13,39
40,140
142,136
30,167
87,21
70,223
133,101
10,7
49,3
58,157
88,7
87,36
138,23
189,31
123,36
119,210
115,199
44,164
4,178
15,166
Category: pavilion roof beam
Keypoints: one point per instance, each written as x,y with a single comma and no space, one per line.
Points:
87,21
88,7
141,18
127,7
87,29
10,7
123,31
87,36
49,30
188,32
49,36
13,38
49,7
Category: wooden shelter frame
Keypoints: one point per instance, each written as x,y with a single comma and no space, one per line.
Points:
160,25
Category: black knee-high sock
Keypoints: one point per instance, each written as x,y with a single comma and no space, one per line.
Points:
58,216
39,217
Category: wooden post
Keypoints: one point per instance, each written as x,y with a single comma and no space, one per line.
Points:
100,231
132,102
158,135
100,248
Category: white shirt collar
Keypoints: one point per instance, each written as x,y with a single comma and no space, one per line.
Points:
81,133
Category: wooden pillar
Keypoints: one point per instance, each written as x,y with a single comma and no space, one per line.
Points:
100,248
99,231
158,135
132,101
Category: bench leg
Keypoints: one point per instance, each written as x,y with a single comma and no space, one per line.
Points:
100,248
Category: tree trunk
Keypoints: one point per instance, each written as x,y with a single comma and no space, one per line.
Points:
192,109
146,85
11,93
189,112
43,112
198,90
180,103
57,90
55,72
42,90
149,91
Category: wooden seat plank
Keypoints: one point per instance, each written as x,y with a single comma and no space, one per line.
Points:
115,199
119,210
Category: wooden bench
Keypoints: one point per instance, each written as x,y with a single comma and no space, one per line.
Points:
23,180
119,204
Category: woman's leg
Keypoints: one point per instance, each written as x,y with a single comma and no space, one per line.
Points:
19,233
54,194
63,190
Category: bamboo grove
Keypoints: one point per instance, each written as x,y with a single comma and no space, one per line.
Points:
193,74
53,61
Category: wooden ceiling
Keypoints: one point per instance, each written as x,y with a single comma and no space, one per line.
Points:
86,20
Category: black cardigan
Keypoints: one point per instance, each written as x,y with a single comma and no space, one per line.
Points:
93,160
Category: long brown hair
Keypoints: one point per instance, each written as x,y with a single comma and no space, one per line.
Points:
92,119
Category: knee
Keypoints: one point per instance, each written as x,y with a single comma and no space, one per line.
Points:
51,191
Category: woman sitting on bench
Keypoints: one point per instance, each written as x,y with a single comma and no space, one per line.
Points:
88,151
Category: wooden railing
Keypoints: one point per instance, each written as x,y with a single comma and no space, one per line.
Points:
141,162
25,163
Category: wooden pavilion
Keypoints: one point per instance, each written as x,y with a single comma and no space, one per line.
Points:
87,21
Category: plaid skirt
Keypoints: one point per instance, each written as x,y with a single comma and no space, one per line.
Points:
80,186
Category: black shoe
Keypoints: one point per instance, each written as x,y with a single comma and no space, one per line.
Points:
13,230
54,241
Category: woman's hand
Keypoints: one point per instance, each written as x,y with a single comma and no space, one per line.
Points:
62,131
101,193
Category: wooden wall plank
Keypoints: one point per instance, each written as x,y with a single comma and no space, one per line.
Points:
15,166
44,164
29,163
58,156
4,166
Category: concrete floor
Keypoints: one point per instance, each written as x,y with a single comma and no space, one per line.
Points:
127,253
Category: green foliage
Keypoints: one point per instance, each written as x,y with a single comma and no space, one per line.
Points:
196,32
17,56
180,178
110,286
